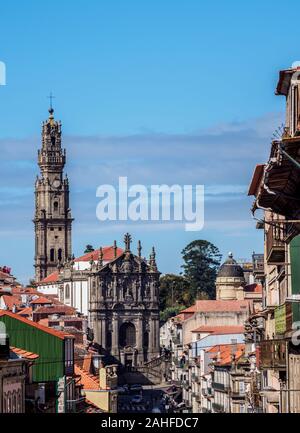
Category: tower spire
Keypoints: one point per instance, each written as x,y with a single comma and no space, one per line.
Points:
51,97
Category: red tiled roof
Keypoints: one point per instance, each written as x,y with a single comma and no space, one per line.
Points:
108,255
213,305
44,322
11,300
222,353
23,291
56,309
253,288
51,278
24,353
220,330
41,300
51,331
89,381
27,311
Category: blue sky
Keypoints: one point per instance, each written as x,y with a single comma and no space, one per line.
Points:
160,91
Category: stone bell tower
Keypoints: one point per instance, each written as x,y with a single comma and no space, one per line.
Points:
52,220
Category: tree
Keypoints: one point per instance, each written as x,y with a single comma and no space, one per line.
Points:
174,291
88,249
169,312
201,262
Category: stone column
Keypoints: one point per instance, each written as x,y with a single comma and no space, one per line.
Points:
139,339
115,336
156,335
102,331
96,326
151,348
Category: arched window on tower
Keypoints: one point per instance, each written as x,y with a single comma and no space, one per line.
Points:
127,335
67,292
59,254
55,206
52,255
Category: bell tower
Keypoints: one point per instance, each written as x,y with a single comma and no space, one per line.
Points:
52,219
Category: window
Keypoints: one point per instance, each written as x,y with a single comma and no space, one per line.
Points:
127,335
55,206
59,254
67,291
52,255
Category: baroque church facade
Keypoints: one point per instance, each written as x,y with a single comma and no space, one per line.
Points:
116,289
124,306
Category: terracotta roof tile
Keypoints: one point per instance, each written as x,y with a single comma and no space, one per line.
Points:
44,322
55,309
89,381
11,300
214,305
27,311
24,353
51,278
24,291
108,255
222,353
41,300
220,330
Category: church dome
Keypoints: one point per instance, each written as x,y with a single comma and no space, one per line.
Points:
230,269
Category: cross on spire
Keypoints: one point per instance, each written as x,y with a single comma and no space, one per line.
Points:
51,97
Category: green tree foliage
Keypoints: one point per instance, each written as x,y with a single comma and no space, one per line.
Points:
169,312
174,292
88,249
201,262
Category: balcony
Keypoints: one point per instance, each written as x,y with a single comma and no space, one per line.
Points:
273,354
275,245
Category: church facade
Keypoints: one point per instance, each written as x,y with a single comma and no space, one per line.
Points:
52,219
124,311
